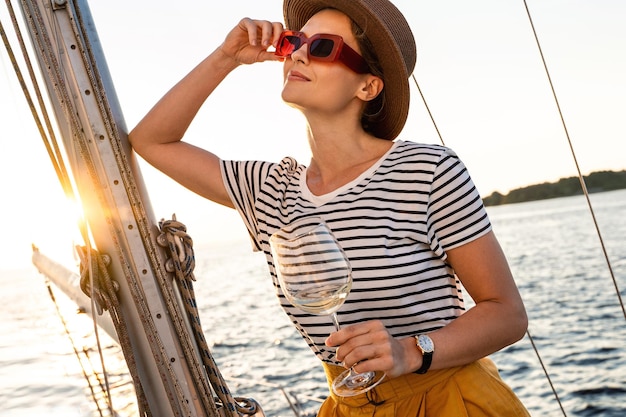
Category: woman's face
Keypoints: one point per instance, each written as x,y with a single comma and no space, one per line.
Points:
326,87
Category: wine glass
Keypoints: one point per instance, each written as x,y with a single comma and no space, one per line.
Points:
315,276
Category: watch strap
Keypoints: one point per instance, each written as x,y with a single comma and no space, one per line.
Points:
427,355
426,361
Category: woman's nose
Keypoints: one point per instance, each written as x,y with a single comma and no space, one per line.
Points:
301,54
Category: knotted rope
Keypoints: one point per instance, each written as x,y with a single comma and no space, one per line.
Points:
97,284
175,239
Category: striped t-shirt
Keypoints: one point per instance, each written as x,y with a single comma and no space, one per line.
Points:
394,222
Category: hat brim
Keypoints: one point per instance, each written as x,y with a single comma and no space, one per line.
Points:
371,15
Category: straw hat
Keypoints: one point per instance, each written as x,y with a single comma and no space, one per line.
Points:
393,43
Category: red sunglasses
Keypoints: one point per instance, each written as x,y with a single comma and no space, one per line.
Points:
322,47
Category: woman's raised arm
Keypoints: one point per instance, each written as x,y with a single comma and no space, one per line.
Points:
158,136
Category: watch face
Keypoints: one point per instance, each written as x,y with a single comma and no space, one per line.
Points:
426,343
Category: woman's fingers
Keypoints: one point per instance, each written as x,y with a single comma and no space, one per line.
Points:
370,347
360,342
248,42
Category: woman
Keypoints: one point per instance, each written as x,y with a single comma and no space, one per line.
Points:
407,215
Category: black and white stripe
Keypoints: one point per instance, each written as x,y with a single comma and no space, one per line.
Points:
394,223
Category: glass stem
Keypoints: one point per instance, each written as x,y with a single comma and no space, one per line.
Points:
335,321
338,327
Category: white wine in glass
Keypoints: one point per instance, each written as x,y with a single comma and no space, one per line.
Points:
315,276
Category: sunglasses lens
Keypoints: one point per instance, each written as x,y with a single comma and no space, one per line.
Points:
287,45
321,48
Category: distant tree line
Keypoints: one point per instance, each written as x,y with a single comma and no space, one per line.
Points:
595,182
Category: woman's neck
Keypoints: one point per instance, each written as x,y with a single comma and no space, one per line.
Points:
338,159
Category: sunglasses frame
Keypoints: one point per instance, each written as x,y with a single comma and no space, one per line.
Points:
340,52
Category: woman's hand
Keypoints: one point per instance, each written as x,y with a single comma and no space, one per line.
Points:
248,42
369,347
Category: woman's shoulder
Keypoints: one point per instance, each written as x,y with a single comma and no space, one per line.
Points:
286,165
426,148
285,171
407,152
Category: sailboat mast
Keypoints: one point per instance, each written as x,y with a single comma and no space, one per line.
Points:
116,206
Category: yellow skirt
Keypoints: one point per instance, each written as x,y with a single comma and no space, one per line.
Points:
473,390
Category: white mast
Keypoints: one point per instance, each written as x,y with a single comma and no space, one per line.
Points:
116,206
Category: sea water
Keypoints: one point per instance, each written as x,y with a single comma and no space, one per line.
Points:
576,324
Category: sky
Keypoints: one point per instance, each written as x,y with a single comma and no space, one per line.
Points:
478,67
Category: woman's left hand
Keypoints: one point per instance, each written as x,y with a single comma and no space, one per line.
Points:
369,347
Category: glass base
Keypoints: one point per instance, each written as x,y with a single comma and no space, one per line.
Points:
349,383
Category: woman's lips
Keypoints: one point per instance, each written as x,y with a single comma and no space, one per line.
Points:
297,76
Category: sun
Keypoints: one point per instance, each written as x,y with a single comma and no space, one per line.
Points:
59,231
38,213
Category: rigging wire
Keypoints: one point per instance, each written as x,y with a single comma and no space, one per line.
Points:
50,143
580,176
95,281
90,263
53,150
582,183
54,153
545,371
430,114
77,354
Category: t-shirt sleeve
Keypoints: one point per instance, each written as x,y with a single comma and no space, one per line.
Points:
456,213
243,181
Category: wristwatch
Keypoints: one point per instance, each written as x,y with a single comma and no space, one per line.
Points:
426,345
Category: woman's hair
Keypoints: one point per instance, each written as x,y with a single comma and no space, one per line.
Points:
373,108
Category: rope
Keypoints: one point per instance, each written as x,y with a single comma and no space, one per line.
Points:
432,119
175,239
105,299
51,144
294,404
99,345
580,176
145,227
54,153
59,82
77,354
545,371
59,87
582,184
96,283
